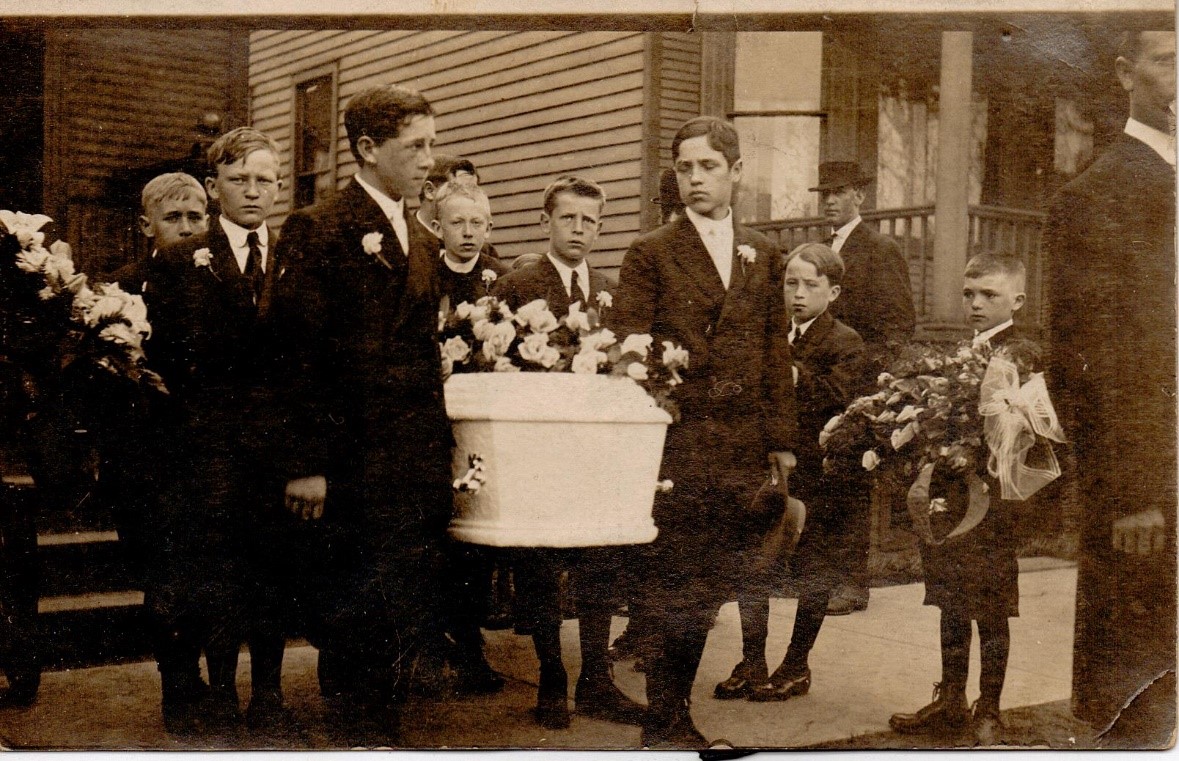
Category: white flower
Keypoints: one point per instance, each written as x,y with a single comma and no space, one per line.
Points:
884,379
499,340
46,293
32,259
870,460
201,257
504,365
639,343
456,349
938,505
587,361
489,277
26,227
463,310
533,347
577,320
59,268
536,315
106,308
598,340
447,367
605,299
902,436
909,412
674,357
637,371
371,243
747,253
120,333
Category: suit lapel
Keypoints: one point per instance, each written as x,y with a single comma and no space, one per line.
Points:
223,265
805,345
368,217
740,273
690,255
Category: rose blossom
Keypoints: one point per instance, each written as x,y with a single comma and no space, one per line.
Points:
637,371
639,343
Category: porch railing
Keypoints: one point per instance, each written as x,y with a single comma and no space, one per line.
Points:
992,228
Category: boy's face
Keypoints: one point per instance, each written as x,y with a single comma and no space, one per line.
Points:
463,225
705,178
807,292
174,219
400,165
841,205
247,188
573,227
991,300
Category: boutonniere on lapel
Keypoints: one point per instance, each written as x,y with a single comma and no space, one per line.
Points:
489,277
203,257
371,243
748,255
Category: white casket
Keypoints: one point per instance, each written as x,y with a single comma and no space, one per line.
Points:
569,460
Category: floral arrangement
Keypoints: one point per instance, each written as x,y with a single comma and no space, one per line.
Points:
933,408
488,336
72,321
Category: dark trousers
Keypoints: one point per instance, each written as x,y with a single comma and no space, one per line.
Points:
593,578
20,579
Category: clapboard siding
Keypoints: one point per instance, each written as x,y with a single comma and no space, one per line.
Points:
679,92
119,100
526,107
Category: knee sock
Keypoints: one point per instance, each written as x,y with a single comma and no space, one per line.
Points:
594,627
812,610
546,638
994,637
755,625
266,652
955,651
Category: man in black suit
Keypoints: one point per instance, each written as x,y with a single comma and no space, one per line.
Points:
572,218
713,287
1110,248
210,295
877,303
368,442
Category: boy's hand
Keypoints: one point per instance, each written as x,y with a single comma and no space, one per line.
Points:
305,497
1142,533
782,464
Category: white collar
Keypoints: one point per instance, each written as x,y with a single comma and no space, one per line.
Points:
566,273
237,234
802,328
843,232
1157,140
389,207
462,269
987,335
705,225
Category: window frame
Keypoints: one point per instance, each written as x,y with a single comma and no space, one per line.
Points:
299,82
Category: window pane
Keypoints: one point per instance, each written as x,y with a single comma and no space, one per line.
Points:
315,132
779,71
780,155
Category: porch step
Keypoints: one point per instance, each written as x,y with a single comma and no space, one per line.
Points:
80,562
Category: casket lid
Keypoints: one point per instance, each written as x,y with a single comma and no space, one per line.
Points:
551,397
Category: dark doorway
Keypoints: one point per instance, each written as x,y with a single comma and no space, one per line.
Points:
22,123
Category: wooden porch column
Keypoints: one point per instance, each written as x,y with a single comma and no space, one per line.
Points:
951,241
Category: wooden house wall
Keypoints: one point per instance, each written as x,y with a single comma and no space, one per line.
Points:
117,99
526,107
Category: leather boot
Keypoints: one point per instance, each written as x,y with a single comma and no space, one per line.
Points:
947,711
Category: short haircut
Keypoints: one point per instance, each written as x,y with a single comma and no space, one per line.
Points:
578,186
380,112
523,260
1130,43
462,188
822,257
722,136
238,143
168,186
444,166
982,265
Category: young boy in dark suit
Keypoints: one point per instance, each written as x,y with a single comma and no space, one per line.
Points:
572,218
463,225
829,371
975,576
210,296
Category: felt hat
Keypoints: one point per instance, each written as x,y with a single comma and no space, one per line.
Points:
837,174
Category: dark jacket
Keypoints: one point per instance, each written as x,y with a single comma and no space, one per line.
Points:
542,281
877,300
469,286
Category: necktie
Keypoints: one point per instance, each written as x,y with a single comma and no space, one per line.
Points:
574,287
831,240
254,272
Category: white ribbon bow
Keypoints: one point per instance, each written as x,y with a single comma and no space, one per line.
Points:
1017,420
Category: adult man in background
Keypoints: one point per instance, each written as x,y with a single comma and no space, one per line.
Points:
1110,249
877,303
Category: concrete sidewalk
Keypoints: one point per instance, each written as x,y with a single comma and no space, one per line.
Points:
866,666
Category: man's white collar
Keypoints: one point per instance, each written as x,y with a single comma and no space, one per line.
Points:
1157,140
237,234
704,224
463,268
987,335
390,207
846,230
